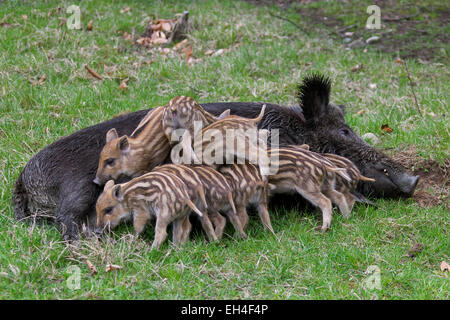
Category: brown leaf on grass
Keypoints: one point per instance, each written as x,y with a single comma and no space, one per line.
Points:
42,79
25,17
89,25
112,267
127,36
50,13
166,26
181,44
386,128
93,73
209,52
91,267
360,112
126,9
188,52
399,61
123,85
445,266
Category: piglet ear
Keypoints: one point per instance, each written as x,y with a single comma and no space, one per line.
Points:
111,135
224,114
117,192
304,146
314,96
109,184
123,144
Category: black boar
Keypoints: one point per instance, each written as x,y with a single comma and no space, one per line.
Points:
58,181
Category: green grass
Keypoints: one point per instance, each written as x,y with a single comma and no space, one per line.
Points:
299,263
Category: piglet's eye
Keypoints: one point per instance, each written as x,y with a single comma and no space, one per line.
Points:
108,210
109,162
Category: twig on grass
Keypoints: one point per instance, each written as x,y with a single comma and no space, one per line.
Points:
412,88
93,73
285,19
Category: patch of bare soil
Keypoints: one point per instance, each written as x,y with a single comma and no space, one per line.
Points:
408,30
434,185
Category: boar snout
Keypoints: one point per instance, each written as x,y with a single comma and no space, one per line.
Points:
407,183
389,182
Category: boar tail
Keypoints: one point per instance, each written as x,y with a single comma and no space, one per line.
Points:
193,207
261,114
363,178
20,200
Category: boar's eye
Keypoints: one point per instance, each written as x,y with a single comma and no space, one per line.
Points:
109,162
344,132
108,210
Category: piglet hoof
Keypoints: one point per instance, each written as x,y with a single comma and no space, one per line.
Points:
322,229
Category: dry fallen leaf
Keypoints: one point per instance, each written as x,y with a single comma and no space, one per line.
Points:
209,52
123,85
445,266
386,128
188,53
372,85
42,79
166,26
112,267
93,73
399,61
126,9
24,17
360,112
127,36
91,267
89,25
181,44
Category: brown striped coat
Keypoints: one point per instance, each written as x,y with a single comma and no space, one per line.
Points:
160,195
132,156
303,173
249,188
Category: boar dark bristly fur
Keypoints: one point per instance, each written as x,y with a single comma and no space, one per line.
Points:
57,181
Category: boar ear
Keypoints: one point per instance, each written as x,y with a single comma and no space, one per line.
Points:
123,144
109,184
314,96
111,135
224,114
342,107
117,192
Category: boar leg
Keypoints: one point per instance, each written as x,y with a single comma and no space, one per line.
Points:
320,200
242,215
219,222
181,228
236,223
140,221
262,210
162,221
339,199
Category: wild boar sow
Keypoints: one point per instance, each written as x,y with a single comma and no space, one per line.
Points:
58,180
